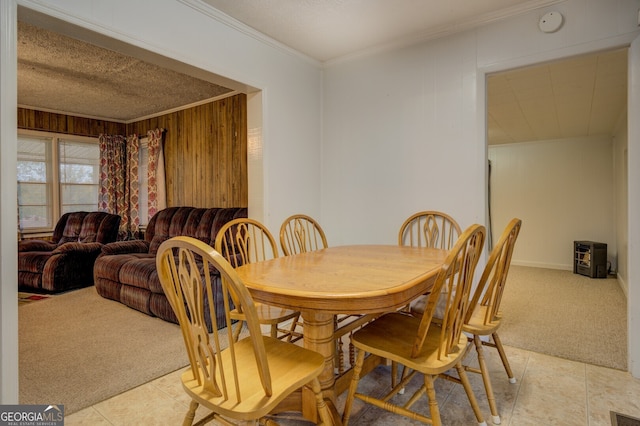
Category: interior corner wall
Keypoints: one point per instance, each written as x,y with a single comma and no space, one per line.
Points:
563,190
621,180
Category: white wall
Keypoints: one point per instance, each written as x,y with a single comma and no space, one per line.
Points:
401,135
563,190
404,130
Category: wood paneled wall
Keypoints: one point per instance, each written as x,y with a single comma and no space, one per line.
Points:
66,124
205,153
205,148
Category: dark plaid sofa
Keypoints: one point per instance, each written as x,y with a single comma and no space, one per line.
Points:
66,261
126,270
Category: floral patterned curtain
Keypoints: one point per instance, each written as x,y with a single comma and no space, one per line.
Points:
155,170
113,156
119,181
132,190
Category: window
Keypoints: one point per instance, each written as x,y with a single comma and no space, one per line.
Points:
56,174
34,182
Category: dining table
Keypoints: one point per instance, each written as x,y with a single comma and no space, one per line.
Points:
350,279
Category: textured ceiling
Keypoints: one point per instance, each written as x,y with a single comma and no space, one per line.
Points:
62,74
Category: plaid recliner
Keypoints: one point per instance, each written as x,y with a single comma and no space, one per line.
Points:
66,262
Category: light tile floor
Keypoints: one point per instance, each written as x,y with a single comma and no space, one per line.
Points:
549,391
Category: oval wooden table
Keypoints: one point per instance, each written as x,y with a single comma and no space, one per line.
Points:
357,279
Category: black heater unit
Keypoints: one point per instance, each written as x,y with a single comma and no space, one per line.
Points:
590,259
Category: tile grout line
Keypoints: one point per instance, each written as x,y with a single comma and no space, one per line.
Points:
586,397
520,384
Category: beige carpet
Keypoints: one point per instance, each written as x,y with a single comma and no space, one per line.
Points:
78,348
566,315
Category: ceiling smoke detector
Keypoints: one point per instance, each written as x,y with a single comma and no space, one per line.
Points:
550,22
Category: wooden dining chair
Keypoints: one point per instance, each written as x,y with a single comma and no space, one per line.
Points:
484,318
242,241
429,228
239,380
420,345
301,233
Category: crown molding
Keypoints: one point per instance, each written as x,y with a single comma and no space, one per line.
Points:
432,34
446,30
227,20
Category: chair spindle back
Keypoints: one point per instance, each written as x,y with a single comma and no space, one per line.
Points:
429,229
494,277
456,279
242,241
185,267
301,233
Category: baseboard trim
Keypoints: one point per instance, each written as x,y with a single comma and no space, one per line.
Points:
559,266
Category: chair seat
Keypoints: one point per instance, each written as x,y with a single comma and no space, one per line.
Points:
476,324
392,336
291,367
269,314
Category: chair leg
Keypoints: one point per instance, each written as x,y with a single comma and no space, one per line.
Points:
434,410
274,331
503,357
357,369
237,330
292,330
484,371
340,355
191,414
323,409
472,398
394,376
352,351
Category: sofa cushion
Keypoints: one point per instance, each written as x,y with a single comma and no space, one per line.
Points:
72,227
193,221
90,225
160,228
136,298
108,267
137,273
213,220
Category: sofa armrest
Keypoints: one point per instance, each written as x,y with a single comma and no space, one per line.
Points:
70,266
36,245
77,247
124,247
